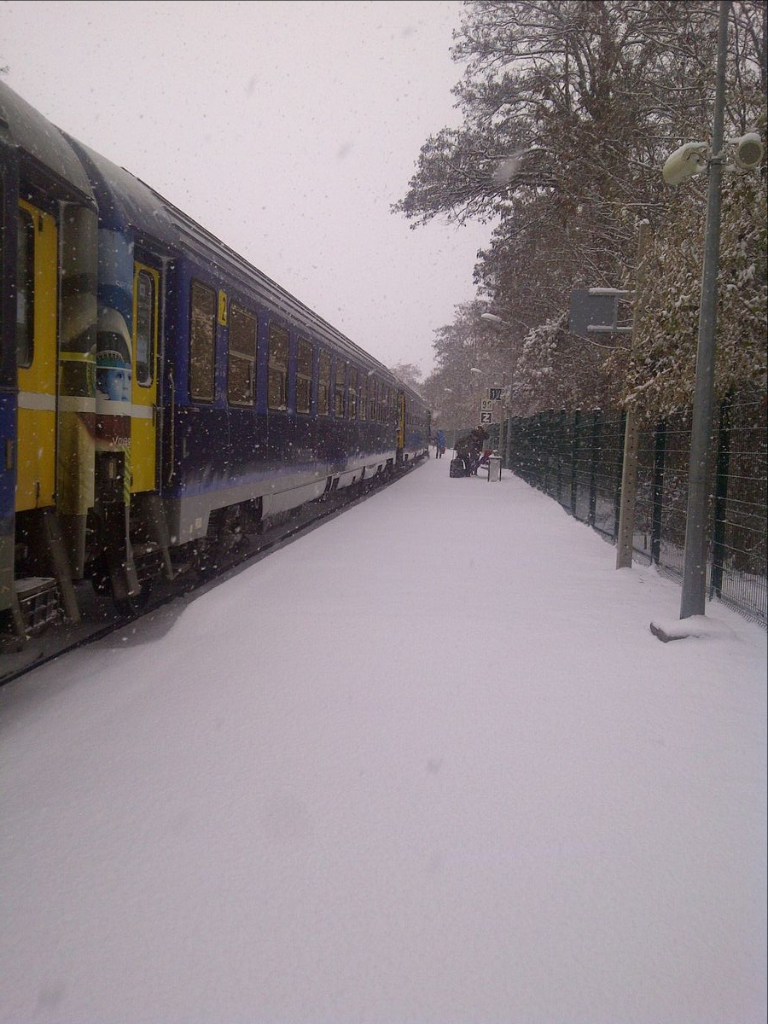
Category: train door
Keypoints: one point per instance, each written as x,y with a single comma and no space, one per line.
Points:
146,291
8,215
400,420
36,340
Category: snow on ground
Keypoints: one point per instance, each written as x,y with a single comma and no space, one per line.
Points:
427,764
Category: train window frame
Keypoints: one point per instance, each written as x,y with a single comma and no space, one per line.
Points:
353,382
149,380
323,383
304,380
277,368
209,322
363,413
240,355
25,269
339,387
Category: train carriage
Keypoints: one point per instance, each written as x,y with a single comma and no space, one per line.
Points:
48,332
191,398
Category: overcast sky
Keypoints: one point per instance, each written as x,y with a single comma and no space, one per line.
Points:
286,128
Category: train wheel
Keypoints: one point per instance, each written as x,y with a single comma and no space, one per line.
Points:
133,604
100,577
207,560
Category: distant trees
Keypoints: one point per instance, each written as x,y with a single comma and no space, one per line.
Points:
410,374
452,390
570,109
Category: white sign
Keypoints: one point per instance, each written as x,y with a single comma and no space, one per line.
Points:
486,405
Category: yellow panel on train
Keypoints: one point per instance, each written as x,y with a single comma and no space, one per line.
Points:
37,311
146,290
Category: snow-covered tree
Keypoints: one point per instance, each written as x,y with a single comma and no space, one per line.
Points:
570,109
410,374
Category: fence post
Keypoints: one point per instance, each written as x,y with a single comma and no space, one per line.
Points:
595,448
575,461
625,530
560,440
659,455
619,472
721,497
543,446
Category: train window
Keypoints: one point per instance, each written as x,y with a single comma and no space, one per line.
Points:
202,341
277,392
304,356
338,387
145,329
241,372
363,396
373,396
323,384
352,393
25,290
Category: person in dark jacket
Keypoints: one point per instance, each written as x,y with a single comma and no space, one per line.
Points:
440,444
470,448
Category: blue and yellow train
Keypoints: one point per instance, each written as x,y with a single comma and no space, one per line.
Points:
159,396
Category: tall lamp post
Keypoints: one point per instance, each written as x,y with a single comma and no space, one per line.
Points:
491,318
482,373
693,158
695,558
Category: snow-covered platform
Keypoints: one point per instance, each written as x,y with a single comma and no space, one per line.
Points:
426,764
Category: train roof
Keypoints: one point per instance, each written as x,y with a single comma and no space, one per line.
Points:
125,203
43,147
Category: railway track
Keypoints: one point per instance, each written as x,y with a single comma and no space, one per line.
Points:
100,618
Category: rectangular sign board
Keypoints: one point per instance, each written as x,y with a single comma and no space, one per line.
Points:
494,394
588,310
486,417
486,405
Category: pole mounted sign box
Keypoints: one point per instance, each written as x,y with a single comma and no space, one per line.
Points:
591,311
596,311
494,394
486,405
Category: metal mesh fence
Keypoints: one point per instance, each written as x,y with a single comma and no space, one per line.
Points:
576,458
739,535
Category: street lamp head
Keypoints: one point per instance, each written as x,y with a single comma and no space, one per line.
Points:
686,161
449,390
474,369
492,318
748,151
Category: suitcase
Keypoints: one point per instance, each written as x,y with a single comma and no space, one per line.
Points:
458,468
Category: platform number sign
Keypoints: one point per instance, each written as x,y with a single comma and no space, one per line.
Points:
486,417
486,405
494,394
